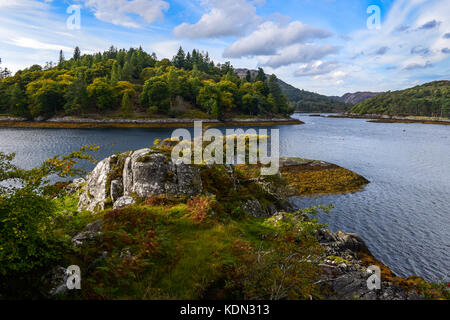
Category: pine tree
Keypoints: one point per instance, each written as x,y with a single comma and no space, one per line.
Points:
179,60
77,53
76,96
4,73
261,76
18,102
115,74
125,107
248,77
127,72
61,57
188,62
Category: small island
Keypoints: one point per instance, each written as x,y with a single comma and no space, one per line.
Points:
131,88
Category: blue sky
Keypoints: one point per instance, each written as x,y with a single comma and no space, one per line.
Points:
317,45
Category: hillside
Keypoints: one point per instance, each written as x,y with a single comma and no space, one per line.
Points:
357,97
430,100
134,84
303,100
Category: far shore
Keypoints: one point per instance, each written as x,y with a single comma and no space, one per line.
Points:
393,119
81,123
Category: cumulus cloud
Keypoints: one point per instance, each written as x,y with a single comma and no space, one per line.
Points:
418,65
118,11
381,51
224,18
300,53
430,25
270,36
316,68
420,50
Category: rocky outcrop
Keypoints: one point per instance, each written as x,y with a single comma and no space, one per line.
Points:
89,233
123,202
144,173
95,193
347,276
358,97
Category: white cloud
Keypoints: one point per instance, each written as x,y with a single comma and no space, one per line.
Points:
224,18
300,53
316,68
118,11
36,44
270,37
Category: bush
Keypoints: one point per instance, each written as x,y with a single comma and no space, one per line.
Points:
29,245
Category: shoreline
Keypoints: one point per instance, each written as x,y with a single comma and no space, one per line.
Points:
76,123
392,119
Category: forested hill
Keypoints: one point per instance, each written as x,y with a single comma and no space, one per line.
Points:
431,99
132,83
303,100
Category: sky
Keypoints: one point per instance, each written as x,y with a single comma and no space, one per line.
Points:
327,46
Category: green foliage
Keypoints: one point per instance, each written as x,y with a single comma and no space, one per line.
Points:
431,100
94,83
156,92
306,101
126,105
28,242
101,92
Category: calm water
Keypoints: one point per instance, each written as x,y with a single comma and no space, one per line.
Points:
403,214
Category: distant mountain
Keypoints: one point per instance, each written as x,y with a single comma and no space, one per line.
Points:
303,100
430,99
357,97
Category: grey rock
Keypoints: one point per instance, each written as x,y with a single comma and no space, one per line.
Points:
58,281
93,197
253,208
188,179
75,185
116,189
89,233
123,202
144,174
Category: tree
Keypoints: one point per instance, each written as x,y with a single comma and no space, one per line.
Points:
115,73
76,96
77,53
61,57
125,107
127,72
18,102
156,93
28,241
46,96
100,91
179,60
261,76
248,76
4,73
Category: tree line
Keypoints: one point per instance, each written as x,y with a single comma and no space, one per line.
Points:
133,82
431,100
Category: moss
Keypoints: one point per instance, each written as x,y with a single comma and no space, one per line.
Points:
117,165
310,179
